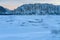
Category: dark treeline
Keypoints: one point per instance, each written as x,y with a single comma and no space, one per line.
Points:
32,9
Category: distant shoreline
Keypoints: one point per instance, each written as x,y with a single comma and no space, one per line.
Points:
32,9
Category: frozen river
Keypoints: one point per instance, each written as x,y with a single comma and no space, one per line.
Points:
16,27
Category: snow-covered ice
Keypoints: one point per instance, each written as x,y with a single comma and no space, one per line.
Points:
38,27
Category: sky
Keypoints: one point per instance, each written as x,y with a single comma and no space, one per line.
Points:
12,4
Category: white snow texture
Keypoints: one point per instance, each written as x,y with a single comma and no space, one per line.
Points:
42,27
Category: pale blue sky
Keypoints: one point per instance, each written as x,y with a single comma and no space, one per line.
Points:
11,4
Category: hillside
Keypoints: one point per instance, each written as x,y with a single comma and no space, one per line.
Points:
38,9
4,11
33,9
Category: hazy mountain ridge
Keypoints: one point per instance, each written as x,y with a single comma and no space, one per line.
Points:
34,9
4,11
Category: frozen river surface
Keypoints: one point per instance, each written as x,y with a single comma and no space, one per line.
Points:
29,27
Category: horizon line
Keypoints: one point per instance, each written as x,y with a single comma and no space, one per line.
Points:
26,3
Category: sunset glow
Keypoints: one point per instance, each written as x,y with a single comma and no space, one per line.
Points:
12,4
